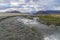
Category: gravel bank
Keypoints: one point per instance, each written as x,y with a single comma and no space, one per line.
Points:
11,29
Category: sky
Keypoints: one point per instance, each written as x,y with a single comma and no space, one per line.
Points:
29,5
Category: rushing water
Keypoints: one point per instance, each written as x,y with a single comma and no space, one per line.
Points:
50,32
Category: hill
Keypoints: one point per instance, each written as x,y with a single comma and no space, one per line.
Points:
14,11
48,12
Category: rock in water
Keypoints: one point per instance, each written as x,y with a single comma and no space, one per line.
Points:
11,29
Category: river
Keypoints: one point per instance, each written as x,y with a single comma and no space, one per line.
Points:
50,32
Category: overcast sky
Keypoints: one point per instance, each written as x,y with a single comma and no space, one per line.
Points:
30,5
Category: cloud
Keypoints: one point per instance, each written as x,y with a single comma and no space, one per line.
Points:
57,8
31,5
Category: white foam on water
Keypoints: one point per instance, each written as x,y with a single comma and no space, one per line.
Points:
27,21
51,37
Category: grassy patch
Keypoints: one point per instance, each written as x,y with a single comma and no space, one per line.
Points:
50,19
33,29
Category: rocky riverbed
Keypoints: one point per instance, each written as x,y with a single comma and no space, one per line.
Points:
11,29
20,28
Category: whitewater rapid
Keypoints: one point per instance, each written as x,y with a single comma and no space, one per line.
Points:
40,27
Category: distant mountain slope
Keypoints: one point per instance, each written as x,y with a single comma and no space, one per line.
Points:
48,12
53,11
14,11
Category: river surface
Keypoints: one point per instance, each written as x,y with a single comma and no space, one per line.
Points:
50,32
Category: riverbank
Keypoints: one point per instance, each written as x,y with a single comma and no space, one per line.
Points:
50,19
